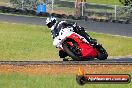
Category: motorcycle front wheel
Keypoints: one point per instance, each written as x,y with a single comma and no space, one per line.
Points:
73,51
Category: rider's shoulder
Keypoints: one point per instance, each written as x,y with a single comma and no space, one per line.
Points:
61,22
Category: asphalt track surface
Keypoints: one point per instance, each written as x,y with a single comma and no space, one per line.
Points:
106,62
113,61
100,27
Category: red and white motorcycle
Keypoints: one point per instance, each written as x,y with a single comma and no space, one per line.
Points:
76,46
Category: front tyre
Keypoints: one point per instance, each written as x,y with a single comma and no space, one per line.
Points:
72,50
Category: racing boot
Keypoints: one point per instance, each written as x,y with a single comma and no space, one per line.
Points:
62,54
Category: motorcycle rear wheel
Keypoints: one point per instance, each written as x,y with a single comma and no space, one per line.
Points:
102,56
101,52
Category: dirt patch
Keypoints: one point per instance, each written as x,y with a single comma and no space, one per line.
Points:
64,69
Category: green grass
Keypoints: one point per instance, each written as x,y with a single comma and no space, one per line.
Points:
31,42
25,42
112,2
19,80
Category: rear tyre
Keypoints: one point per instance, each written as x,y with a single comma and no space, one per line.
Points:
102,56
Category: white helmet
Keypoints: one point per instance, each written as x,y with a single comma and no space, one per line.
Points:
50,21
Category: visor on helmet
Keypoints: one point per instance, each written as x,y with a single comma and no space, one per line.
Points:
50,22
49,25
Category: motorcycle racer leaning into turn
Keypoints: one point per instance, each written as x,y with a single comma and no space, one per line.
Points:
55,26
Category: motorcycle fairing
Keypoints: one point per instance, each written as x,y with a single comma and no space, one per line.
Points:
86,49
